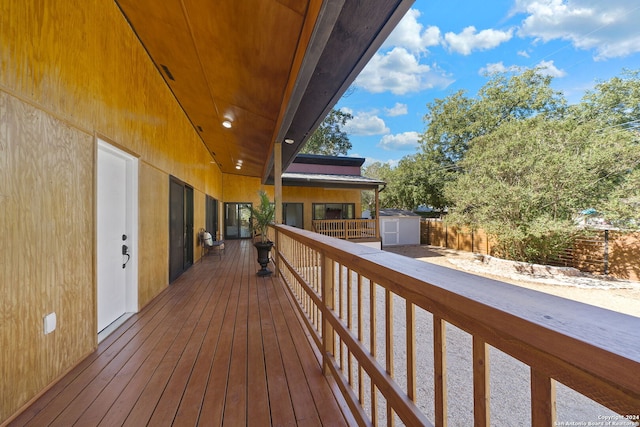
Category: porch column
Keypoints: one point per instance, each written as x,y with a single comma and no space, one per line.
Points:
377,213
277,183
277,179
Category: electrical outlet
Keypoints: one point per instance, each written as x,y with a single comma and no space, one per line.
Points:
49,323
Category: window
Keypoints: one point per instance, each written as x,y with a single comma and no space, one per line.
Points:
334,210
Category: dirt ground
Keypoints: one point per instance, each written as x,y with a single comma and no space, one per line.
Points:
618,295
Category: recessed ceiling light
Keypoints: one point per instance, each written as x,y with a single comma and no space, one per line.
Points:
227,124
289,141
238,167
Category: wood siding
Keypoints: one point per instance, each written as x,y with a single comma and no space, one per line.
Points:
46,222
70,70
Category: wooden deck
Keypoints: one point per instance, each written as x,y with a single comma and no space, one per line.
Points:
219,347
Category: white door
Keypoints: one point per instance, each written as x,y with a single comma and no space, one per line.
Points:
390,232
116,228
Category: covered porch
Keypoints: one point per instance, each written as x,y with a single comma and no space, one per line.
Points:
349,335
219,346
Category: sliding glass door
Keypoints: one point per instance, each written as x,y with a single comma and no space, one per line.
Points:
237,220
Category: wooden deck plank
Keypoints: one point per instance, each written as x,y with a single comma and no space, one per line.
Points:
212,408
98,396
139,398
236,396
281,408
302,401
192,400
219,346
172,395
258,413
330,410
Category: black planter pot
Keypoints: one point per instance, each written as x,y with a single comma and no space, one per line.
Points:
263,257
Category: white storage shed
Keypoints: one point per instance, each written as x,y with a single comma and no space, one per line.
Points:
399,227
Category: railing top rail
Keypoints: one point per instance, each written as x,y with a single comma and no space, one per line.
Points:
554,334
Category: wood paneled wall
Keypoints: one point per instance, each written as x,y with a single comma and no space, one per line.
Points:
153,245
46,222
69,70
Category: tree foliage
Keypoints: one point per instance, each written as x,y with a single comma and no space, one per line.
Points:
453,123
329,138
525,182
518,162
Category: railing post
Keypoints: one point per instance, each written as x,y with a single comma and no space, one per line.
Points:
328,302
440,370
543,399
276,255
481,408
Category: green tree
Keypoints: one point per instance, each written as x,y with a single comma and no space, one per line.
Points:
329,138
376,170
614,106
623,206
525,182
453,123
615,102
413,182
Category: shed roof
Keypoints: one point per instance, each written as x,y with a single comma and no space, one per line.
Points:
397,212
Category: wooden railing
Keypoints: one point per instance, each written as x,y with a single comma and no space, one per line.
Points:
348,229
371,313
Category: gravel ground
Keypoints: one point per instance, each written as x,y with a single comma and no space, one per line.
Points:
509,379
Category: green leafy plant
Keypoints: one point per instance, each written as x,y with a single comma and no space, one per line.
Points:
263,215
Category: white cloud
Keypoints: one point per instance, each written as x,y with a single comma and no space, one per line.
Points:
397,110
610,28
400,142
470,39
498,67
400,72
365,123
523,53
546,68
411,35
371,160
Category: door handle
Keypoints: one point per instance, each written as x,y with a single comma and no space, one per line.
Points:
125,252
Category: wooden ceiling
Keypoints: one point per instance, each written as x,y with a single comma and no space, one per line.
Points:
273,68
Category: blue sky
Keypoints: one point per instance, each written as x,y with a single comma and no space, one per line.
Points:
442,46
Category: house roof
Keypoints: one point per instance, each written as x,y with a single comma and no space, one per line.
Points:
319,159
272,68
332,181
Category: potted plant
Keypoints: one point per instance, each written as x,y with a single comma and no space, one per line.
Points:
261,217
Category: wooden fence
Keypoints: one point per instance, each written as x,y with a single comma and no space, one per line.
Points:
607,252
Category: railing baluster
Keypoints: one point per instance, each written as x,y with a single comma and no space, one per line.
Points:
328,299
481,410
543,399
349,324
411,350
372,345
440,370
361,340
340,293
388,321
